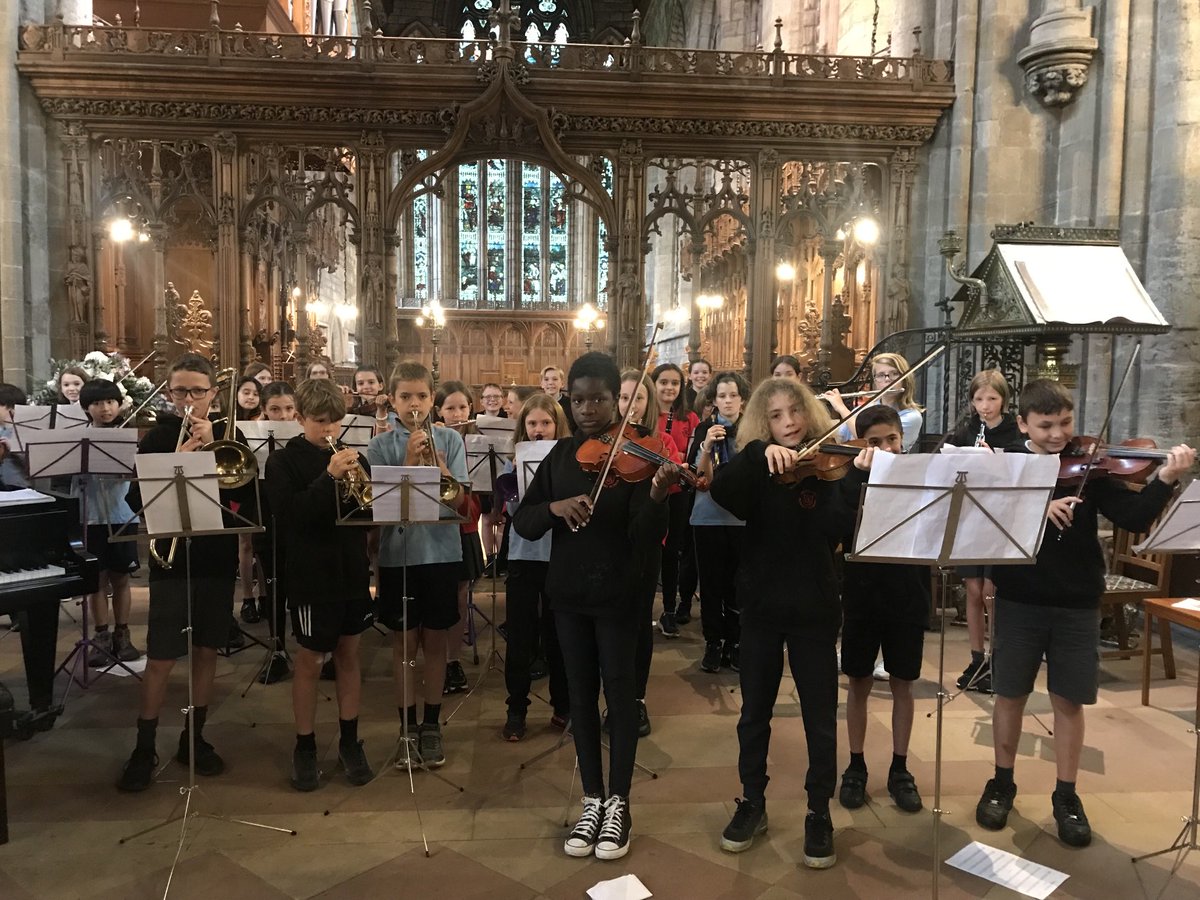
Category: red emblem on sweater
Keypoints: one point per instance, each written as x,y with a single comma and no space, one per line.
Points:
808,500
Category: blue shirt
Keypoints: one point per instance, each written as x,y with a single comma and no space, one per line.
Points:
420,545
519,547
706,510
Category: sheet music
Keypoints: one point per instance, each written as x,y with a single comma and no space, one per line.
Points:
496,425
387,488
357,431
23,497
264,437
481,450
903,524
160,502
109,451
28,420
1179,530
529,455
1008,869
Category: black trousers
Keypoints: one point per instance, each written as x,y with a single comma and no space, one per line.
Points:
595,648
645,626
529,617
718,550
678,509
812,656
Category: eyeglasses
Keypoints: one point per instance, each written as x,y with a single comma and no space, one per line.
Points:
885,376
189,393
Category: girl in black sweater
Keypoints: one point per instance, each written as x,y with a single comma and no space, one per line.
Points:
597,560
787,590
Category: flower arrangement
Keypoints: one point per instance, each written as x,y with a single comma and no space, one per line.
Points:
112,367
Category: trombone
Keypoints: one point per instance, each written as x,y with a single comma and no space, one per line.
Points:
355,484
449,490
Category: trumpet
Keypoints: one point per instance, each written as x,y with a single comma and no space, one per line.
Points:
355,484
449,490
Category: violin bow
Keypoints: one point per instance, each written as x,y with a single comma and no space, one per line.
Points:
1103,432
612,454
812,446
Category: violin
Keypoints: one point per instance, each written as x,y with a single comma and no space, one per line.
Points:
637,459
830,462
1131,461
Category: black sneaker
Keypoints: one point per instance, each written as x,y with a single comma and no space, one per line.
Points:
456,678
429,744
514,727
582,839
123,647
683,613
983,684
643,719
138,773
749,820
328,672
276,670
1073,827
818,841
354,761
666,624
613,840
731,656
967,674
854,789
208,763
538,669
236,640
712,657
306,776
993,807
903,788
250,613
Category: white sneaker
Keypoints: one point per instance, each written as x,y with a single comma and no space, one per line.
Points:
880,673
582,839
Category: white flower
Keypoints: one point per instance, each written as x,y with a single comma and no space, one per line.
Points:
107,376
96,357
52,383
143,383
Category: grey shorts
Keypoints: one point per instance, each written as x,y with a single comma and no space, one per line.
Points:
1068,639
212,615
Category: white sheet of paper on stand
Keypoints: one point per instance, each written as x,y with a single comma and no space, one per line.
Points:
23,497
627,887
1191,604
1008,870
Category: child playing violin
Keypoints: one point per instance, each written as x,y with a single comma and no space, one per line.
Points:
884,607
1052,609
676,423
989,426
786,586
594,581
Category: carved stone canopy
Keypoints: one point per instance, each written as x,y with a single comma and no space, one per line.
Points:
1060,52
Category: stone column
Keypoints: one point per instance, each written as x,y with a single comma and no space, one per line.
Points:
627,320
760,302
230,337
76,12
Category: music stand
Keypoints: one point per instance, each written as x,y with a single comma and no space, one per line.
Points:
185,504
82,453
921,510
407,497
1179,532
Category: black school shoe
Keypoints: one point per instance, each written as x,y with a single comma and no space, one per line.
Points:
250,612
749,820
903,788
456,678
712,657
995,804
1073,827
854,789
138,773
514,727
683,613
818,841
306,775
643,719
208,763
354,762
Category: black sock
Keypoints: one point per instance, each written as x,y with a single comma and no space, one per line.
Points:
146,731
307,742
977,658
349,728
101,629
409,715
1066,788
858,762
899,763
433,712
199,715
1004,777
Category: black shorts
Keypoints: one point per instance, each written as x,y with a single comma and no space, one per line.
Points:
471,566
319,627
1068,639
118,557
863,637
212,615
432,593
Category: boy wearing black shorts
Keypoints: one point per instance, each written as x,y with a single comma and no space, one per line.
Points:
107,508
884,607
328,574
424,558
192,387
1052,609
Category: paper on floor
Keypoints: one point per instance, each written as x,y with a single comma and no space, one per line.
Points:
627,887
1008,870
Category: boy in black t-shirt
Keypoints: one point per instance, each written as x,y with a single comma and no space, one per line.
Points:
1052,609
328,574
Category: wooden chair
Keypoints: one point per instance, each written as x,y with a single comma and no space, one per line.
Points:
1132,578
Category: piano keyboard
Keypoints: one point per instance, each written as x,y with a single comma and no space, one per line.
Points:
18,576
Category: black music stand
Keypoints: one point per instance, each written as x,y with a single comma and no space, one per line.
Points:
1179,532
926,513
82,453
185,505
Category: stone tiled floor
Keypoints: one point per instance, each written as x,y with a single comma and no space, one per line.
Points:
500,835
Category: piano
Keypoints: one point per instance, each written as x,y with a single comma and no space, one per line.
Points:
41,564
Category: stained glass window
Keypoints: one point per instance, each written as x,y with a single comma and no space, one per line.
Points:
468,231
541,21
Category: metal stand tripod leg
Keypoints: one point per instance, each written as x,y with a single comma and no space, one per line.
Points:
1186,839
193,787
937,760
